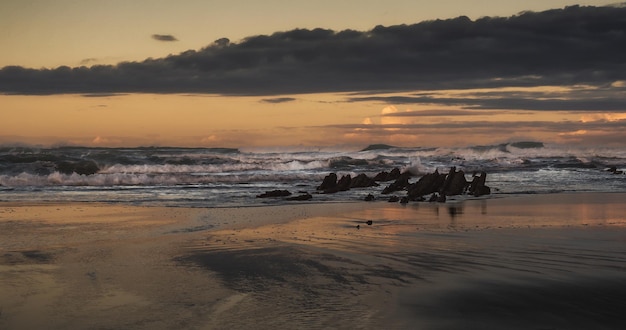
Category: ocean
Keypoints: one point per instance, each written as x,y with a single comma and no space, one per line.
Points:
224,177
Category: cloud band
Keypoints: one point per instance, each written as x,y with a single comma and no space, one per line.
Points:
575,45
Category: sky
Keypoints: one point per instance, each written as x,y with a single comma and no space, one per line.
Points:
311,73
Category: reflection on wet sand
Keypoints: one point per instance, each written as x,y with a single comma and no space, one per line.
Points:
482,263
511,263
454,210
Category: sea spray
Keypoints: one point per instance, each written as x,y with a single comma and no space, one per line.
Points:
223,177
416,167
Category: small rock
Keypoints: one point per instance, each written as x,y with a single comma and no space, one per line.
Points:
274,193
614,170
441,198
304,197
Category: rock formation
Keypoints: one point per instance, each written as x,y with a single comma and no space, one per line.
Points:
455,183
330,182
436,184
302,197
362,181
427,184
477,187
401,183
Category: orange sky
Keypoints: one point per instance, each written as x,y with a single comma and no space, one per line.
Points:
221,121
40,34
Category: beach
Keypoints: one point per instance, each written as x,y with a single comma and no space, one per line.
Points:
542,261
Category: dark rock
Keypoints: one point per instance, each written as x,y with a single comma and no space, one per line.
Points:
84,167
441,198
394,174
477,187
449,177
330,182
382,176
433,198
394,199
455,183
331,190
458,184
344,183
614,170
401,183
385,176
427,184
274,193
330,185
483,190
362,181
369,222
304,197
369,198
404,200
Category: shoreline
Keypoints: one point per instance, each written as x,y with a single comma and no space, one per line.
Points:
531,261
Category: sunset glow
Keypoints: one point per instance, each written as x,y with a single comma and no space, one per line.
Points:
95,81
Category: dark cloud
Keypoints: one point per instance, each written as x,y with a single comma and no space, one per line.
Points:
89,61
164,37
102,95
575,45
490,126
278,100
607,103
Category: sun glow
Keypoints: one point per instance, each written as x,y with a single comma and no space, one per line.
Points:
603,117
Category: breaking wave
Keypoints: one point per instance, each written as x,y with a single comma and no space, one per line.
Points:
521,167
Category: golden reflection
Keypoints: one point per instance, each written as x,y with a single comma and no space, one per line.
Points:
378,227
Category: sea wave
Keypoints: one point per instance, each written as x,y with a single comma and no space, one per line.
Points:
111,167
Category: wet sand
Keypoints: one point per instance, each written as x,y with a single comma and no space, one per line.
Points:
520,262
